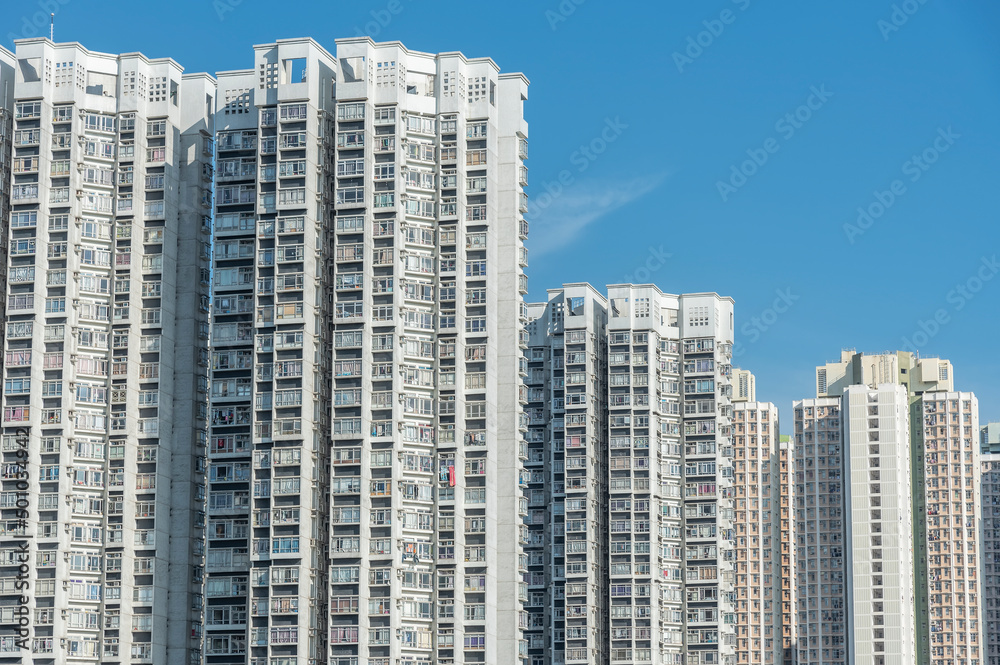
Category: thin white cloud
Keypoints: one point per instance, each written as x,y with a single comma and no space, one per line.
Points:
581,204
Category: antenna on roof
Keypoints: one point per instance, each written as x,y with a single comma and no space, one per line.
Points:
52,26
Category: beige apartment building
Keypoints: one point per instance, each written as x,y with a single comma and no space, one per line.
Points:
761,490
895,581
954,509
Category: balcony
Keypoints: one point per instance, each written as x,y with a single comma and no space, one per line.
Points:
27,137
16,414
24,193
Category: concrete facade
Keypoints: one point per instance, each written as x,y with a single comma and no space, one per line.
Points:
106,345
820,538
8,63
268,508
370,254
989,438
744,386
954,510
662,543
439,260
910,598
990,546
879,550
567,484
762,492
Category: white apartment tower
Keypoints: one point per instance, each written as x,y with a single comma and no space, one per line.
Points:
366,466
630,426
670,476
429,436
7,79
106,337
268,521
567,469
904,566
990,622
879,562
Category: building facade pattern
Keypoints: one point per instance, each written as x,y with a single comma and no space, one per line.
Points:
953,512
761,483
428,285
105,354
268,510
879,567
990,622
821,627
919,601
370,249
363,447
568,466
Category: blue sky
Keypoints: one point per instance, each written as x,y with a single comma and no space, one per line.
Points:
643,116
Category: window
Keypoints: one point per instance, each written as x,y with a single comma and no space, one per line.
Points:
354,111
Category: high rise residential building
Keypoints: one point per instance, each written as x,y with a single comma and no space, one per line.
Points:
953,505
105,350
989,438
369,258
669,399
872,369
430,154
567,469
662,542
394,460
7,78
820,562
918,563
990,573
744,386
268,464
878,547
762,557
783,518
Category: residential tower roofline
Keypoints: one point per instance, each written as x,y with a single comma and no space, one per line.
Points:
98,54
193,76
585,285
233,72
848,353
296,40
672,295
398,44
